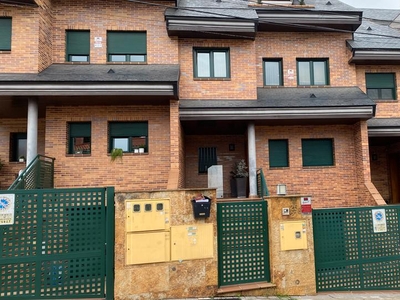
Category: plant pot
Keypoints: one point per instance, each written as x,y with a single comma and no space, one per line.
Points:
241,187
21,160
135,150
141,150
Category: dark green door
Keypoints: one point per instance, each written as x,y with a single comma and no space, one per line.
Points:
243,255
59,246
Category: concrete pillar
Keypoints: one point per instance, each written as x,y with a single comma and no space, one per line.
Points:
251,145
32,130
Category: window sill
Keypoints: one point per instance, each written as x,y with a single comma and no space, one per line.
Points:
77,63
132,154
318,167
5,52
78,155
279,168
126,63
212,79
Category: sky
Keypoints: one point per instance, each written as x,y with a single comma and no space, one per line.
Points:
373,3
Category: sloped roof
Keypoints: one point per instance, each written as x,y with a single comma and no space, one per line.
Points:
285,103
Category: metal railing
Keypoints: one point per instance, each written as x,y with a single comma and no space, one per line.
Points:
39,174
262,189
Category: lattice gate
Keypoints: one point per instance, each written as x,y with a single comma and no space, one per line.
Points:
357,248
243,255
59,246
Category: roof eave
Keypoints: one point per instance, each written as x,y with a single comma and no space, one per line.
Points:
359,112
88,89
383,131
374,56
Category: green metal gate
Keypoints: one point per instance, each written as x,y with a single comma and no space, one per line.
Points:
352,254
59,246
243,255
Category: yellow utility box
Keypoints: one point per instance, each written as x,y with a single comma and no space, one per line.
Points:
147,214
149,247
192,242
293,235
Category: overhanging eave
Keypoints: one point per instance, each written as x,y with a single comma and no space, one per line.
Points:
362,112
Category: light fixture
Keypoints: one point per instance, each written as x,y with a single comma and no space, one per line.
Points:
281,189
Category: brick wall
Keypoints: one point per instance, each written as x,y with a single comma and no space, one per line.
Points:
384,109
133,172
241,85
113,15
23,57
45,34
335,186
289,46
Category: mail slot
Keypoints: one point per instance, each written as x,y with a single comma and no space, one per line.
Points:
201,207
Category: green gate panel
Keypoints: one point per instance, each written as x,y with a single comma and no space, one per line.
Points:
56,247
349,255
243,255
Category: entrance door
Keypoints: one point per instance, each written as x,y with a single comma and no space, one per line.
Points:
394,171
243,255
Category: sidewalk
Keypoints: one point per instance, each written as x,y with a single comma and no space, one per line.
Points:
364,295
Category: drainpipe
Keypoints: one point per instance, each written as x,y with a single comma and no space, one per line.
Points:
251,145
32,130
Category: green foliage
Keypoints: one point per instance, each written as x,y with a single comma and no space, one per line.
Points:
116,153
240,169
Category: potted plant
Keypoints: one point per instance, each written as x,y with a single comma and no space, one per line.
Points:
239,179
142,148
21,158
116,153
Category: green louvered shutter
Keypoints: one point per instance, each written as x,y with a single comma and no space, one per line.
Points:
317,152
278,153
78,43
79,129
121,42
5,34
128,129
380,80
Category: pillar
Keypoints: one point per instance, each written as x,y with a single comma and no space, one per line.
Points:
251,145
32,130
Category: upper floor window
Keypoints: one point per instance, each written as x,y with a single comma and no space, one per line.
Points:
273,72
77,45
128,136
381,86
18,143
317,152
79,138
5,34
312,72
126,46
211,63
278,153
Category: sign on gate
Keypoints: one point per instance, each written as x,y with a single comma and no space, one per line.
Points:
7,209
379,220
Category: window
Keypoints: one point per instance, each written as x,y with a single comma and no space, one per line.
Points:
128,136
273,72
381,86
278,153
126,46
312,72
317,152
79,138
18,142
211,63
207,158
77,45
5,34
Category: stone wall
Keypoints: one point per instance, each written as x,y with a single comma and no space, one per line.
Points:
172,279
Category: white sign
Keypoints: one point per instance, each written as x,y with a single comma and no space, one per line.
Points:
98,39
7,209
305,200
379,220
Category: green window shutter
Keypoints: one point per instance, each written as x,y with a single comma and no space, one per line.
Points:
120,42
79,130
128,129
5,34
317,152
278,153
207,158
78,42
380,80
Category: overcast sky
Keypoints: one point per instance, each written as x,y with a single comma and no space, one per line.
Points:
373,3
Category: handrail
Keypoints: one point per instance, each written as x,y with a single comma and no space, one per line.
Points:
39,174
262,189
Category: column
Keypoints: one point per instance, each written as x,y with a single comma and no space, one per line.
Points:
32,130
251,145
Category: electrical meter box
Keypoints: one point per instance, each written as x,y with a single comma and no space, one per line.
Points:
293,235
192,241
149,247
147,214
